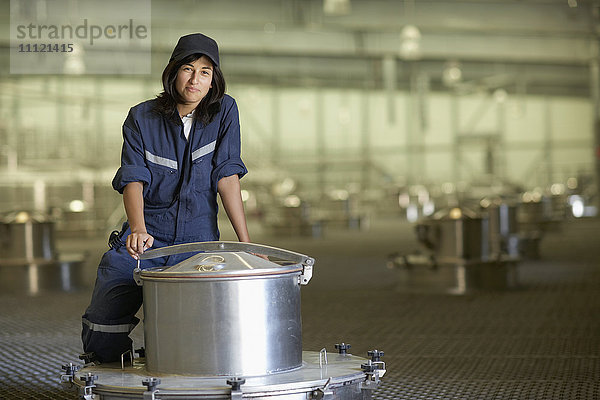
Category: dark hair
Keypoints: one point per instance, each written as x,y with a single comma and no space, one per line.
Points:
168,99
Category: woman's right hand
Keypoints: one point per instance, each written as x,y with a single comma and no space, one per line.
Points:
137,243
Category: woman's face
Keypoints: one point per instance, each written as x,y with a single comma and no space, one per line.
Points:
194,80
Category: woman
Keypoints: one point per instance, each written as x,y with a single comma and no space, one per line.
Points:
179,151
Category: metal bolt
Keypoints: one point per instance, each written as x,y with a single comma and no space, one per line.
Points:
342,347
368,367
375,355
235,383
70,368
151,383
88,378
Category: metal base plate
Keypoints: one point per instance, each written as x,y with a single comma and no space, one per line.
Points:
341,377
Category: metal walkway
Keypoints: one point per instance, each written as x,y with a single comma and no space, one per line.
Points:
540,341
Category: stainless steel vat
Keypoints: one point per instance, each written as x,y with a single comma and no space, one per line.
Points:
26,237
219,325
531,216
456,235
29,262
223,313
503,226
468,251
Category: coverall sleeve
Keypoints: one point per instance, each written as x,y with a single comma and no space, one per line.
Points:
227,158
133,162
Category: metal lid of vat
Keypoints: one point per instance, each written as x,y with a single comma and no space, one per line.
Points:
216,265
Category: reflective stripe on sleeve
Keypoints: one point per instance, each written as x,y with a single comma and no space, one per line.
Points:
165,162
122,328
204,150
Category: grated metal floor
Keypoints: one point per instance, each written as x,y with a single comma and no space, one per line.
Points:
539,341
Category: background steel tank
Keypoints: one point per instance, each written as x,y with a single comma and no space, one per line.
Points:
503,225
456,235
464,253
29,262
26,237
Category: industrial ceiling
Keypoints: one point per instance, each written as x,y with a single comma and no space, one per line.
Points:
526,46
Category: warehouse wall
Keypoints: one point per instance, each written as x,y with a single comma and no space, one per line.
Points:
67,118
403,136
542,139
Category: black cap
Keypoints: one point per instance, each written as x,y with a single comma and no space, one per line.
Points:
196,43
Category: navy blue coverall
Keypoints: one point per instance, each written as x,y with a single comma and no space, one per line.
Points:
180,179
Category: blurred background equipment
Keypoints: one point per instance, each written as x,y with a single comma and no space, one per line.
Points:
503,227
463,250
30,263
